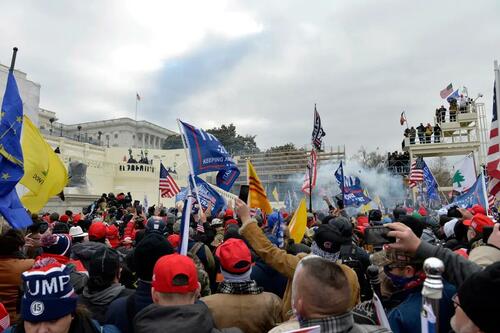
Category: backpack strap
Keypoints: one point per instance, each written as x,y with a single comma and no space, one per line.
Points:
196,247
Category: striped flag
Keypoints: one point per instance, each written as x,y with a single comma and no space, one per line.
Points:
168,186
416,172
312,165
446,91
493,159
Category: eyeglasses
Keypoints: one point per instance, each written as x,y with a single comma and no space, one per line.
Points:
455,301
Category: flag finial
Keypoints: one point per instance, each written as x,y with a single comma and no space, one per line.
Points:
13,61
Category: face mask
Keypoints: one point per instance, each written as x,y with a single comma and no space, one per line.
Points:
399,282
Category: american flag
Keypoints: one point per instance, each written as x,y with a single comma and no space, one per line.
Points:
168,187
416,172
446,91
311,165
493,159
318,132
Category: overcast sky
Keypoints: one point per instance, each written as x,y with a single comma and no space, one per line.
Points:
259,64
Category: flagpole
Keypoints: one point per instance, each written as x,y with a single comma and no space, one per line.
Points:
13,60
310,187
159,191
190,164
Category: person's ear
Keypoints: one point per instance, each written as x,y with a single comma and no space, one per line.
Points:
154,296
198,291
409,271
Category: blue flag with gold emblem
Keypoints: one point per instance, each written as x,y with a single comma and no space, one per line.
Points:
11,156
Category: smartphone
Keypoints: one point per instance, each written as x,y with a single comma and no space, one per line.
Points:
244,193
377,235
486,234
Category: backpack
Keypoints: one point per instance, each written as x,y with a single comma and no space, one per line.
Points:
203,277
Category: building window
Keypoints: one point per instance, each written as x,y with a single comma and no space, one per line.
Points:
116,136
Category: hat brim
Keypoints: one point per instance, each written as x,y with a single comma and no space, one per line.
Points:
467,222
83,234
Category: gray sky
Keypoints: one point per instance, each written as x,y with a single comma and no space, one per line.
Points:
259,64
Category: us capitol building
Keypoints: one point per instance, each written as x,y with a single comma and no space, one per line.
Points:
124,155
96,153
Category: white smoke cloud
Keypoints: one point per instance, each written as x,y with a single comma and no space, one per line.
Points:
387,186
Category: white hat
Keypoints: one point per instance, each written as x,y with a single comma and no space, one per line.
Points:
77,232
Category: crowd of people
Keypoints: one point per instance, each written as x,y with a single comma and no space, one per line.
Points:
115,267
426,133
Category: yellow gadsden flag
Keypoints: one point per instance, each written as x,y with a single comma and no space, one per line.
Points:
44,174
257,197
298,223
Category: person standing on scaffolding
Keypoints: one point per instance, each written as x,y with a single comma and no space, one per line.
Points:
437,133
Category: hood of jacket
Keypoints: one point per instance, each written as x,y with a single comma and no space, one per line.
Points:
103,297
184,318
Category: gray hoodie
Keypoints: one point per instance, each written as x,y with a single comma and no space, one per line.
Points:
192,318
98,302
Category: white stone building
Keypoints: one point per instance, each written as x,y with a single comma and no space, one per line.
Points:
121,132
29,91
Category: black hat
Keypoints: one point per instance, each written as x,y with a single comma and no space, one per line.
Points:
375,215
103,268
329,237
148,251
479,295
416,225
156,224
60,228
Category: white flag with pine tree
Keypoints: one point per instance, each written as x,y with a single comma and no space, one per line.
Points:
464,174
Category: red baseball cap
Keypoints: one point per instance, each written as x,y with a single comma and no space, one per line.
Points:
477,209
175,273
478,222
174,240
234,256
229,213
97,230
64,218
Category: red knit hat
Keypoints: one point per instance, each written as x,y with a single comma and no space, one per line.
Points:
234,256
175,273
174,240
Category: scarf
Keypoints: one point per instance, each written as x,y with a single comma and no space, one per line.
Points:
240,288
333,257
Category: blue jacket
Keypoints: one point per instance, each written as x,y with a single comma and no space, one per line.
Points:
405,318
118,310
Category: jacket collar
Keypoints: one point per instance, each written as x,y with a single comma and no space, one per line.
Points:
340,323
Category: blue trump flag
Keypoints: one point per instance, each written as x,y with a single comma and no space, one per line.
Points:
455,96
208,154
11,156
181,196
430,183
208,195
476,195
350,187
